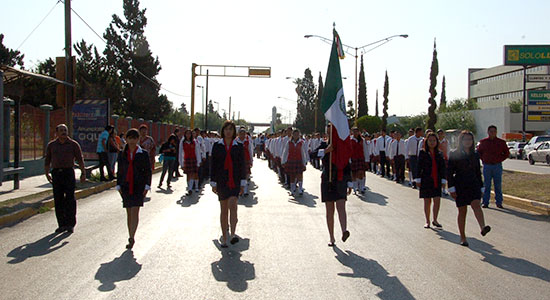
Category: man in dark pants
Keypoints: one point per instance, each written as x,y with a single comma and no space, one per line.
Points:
177,133
382,144
102,143
414,145
60,156
397,154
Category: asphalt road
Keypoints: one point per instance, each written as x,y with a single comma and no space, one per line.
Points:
283,253
524,166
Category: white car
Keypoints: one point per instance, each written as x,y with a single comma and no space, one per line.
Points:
540,154
533,143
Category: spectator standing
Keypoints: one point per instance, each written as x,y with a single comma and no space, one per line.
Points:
493,151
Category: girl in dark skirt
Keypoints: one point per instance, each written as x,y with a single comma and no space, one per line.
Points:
169,163
294,160
228,179
333,191
190,159
431,177
133,178
465,184
244,140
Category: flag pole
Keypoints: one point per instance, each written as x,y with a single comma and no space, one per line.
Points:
330,154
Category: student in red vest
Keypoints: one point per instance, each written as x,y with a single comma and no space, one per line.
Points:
228,179
133,179
358,160
190,159
294,160
431,177
244,140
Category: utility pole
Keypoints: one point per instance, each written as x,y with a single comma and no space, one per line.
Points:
68,69
193,75
207,106
229,116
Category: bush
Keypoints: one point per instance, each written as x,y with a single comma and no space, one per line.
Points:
456,120
371,124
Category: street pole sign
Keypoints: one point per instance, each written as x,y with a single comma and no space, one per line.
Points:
538,108
523,55
538,78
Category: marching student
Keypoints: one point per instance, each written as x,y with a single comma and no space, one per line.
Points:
382,144
228,179
358,161
333,192
169,159
369,145
244,140
190,156
294,161
407,163
148,144
375,159
133,178
465,183
202,159
431,177
398,155
414,145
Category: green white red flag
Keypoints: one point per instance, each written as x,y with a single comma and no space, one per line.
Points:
333,105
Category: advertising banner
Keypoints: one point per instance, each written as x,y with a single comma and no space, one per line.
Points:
89,119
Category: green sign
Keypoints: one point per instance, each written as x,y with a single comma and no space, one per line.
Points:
523,55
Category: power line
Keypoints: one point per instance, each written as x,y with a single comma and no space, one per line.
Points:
137,70
42,21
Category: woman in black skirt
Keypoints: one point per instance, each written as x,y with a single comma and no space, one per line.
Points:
431,177
133,178
333,192
228,178
465,183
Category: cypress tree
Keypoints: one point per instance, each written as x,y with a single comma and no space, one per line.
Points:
363,105
385,103
443,102
376,107
432,117
320,116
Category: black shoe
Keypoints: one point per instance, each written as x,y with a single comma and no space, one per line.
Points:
131,243
485,206
345,236
69,229
60,229
331,244
234,240
102,179
465,244
485,230
437,224
500,206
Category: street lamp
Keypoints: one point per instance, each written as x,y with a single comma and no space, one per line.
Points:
204,108
363,51
218,105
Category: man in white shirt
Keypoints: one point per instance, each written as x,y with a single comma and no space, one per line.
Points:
414,145
398,155
382,144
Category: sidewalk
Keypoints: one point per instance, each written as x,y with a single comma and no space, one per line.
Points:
27,187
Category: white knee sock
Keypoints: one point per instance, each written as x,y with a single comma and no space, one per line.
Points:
246,189
301,184
364,183
292,187
189,185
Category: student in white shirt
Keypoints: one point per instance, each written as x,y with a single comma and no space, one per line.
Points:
382,145
398,155
414,145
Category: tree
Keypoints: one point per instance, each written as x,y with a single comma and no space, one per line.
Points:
127,52
320,115
434,71
385,103
376,106
38,91
371,124
461,104
350,111
362,97
462,120
516,106
414,121
443,101
10,57
305,110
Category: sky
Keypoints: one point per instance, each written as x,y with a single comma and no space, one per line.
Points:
469,34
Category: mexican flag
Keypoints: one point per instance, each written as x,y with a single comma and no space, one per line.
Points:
333,105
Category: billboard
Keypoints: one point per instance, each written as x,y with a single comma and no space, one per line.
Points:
538,108
89,119
523,55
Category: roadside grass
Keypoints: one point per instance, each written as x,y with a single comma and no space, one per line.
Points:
524,185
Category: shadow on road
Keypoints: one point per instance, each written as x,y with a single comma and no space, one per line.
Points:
188,200
306,199
391,286
248,201
41,247
372,197
231,269
494,256
166,191
523,215
124,267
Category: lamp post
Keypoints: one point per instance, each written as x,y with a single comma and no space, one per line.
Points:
204,108
363,51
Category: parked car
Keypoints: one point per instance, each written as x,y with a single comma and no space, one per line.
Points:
540,154
516,151
533,143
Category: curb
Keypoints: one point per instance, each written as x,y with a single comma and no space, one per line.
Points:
28,212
